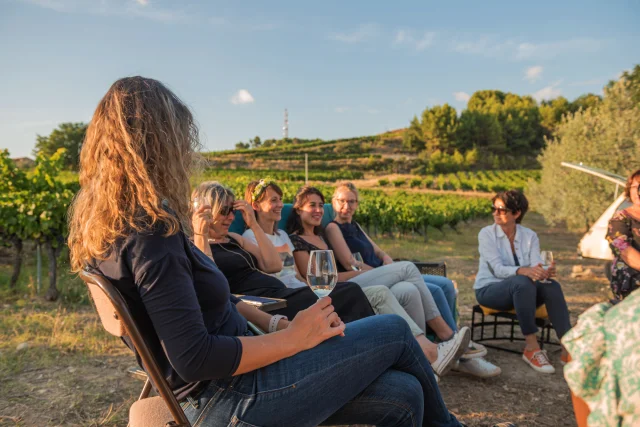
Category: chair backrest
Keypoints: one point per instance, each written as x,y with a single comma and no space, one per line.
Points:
117,320
238,225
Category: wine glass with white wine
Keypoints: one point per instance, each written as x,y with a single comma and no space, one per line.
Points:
196,203
356,261
322,273
547,262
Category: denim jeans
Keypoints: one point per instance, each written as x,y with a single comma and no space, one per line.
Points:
376,374
444,294
384,301
397,272
525,295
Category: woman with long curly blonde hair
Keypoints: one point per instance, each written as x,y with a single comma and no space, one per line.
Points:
129,224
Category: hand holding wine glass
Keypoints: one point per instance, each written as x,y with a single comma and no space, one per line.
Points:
547,264
322,273
356,261
201,217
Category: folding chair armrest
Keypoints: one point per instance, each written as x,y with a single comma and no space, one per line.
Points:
137,373
433,268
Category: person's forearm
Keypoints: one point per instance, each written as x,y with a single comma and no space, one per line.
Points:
270,257
632,257
258,317
202,242
345,276
263,350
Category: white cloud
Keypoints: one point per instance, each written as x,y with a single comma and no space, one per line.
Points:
461,96
362,33
417,42
401,36
548,92
373,111
493,47
242,97
142,2
554,49
533,74
341,110
485,46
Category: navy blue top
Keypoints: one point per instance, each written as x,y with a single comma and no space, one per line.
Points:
358,242
182,305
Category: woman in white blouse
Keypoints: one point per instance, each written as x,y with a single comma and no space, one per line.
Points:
510,275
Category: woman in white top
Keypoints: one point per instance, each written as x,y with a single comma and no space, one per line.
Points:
510,275
265,197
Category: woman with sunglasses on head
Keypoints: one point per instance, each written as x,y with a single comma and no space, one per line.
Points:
248,266
624,239
305,226
346,237
510,275
130,223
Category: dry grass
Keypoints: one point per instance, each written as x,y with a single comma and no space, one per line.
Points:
73,373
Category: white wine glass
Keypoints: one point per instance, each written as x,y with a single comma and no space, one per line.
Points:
196,203
547,262
356,261
322,273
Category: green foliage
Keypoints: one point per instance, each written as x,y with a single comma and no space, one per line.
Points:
633,79
606,137
219,174
68,136
518,117
487,181
481,131
584,102
552,112
34,206
439,127
412,138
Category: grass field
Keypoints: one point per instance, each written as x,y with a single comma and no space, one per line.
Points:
73,373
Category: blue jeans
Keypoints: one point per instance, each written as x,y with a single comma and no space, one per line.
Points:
444,294
376,374
524,295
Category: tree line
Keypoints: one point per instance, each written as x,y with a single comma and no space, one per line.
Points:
606,136
494,122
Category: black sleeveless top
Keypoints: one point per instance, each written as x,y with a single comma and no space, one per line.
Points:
240,268
358,242
301,245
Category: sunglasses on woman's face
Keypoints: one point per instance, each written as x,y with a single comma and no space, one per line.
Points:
226,210
500,210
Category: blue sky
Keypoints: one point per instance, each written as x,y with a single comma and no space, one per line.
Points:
342,68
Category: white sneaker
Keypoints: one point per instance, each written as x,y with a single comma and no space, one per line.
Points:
475,350
450,351
477,367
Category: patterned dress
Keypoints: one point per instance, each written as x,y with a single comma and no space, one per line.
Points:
605,370
624,232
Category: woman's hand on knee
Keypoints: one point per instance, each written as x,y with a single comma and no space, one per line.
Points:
316,324
534,273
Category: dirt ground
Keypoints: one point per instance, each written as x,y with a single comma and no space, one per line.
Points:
80,388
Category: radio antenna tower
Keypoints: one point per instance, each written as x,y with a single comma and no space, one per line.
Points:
285,128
